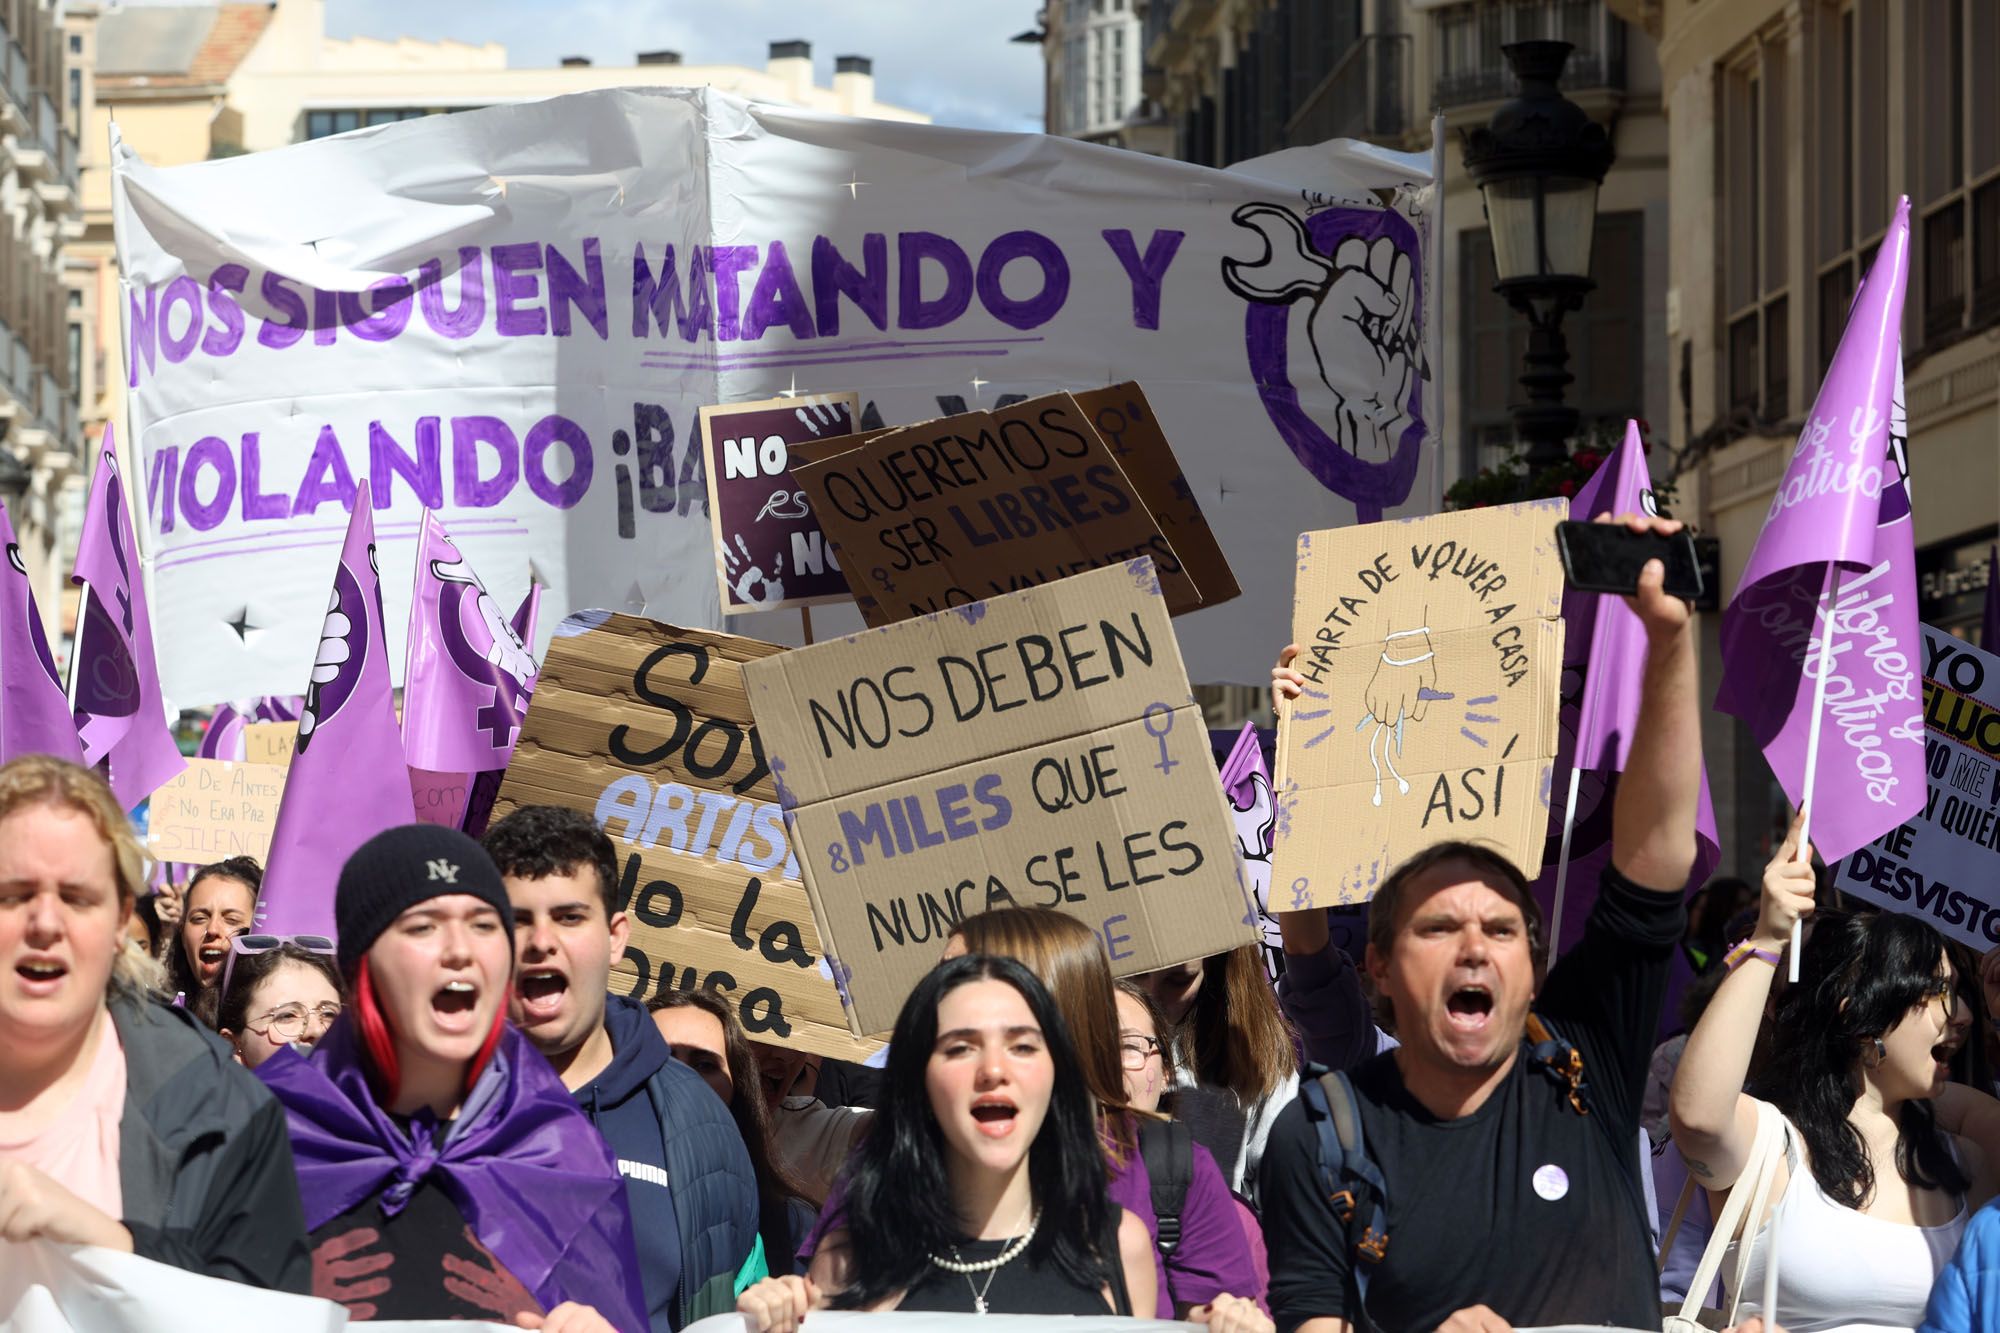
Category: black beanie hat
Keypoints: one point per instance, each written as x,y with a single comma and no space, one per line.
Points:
401,867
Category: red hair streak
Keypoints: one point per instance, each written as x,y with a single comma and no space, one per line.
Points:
381,1046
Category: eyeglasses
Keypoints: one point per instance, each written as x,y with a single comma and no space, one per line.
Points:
1947,993
287,1023
245,945
1134,1050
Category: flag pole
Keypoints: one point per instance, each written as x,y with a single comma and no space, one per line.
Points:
1829,594
1562,861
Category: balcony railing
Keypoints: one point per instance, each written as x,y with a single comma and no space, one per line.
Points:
1471,67
1363,97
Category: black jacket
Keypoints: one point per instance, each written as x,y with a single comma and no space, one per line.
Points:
204,1159
657,1113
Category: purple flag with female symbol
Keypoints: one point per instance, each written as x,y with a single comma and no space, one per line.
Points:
468,675
346,781
34,714
1604,670
114,678
1831,584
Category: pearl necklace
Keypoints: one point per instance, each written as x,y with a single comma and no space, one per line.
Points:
990,1267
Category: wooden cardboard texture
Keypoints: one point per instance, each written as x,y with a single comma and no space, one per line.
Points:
950,512
1040,749
270,742
1432,650
215,809
770,553
1126,422
645,727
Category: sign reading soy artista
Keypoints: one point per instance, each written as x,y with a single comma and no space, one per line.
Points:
1432,652
1038,749
1944,865
645,727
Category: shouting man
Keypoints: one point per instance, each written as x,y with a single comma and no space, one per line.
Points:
687,1175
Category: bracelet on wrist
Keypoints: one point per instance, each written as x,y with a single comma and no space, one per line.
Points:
1744,952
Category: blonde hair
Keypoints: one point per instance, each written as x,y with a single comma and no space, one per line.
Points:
43,780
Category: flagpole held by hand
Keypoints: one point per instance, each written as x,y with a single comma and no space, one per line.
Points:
1824,632
1562,861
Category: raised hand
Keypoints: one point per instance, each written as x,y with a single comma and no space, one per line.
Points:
1286,683
1789,887
1663,615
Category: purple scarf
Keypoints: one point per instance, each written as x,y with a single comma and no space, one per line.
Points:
536,1183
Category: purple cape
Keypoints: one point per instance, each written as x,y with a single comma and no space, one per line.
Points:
535,1181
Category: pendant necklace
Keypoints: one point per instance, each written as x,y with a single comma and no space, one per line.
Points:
991,1267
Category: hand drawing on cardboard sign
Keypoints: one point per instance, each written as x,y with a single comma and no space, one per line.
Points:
1357,273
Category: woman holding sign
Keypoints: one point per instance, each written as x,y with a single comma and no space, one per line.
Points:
981,1185
1871,1191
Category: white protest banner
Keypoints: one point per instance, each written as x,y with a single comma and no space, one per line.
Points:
1944,865
513,315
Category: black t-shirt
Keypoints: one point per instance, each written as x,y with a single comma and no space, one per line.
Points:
1022,1286
1524,1205
423,1263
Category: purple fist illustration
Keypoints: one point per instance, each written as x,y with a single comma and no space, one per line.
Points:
343,648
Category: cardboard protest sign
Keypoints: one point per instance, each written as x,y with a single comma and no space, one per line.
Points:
215,809
769,551
1040,748
1126,421
1944,865
645,727
1432,651
973,506
270,742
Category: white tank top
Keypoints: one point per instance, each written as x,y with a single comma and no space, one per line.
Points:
1842,1271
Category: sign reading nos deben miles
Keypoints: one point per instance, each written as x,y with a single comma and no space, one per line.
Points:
1432,652
645,727
1037,749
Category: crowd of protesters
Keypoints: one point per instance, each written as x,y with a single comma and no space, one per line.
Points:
443,1113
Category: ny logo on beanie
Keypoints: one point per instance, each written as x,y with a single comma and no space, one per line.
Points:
444,870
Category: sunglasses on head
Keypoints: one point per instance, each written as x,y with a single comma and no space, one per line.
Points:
246,945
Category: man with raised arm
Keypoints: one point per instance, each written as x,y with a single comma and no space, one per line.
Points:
1511,1196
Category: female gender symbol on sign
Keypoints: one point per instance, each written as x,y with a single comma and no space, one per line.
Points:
1166,714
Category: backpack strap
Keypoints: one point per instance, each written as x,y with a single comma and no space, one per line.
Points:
1167,1147
1560,1060
1349,1178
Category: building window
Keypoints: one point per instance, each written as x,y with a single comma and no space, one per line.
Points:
76,44
1755,305
1606,342
76,90
320,124
1955,164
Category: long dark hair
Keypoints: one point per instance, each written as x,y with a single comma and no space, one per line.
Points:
182,975
1860,975
899,1198
775,1186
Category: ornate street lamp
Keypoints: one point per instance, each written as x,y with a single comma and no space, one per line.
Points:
1538,164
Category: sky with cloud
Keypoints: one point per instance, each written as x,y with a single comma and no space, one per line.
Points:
949,58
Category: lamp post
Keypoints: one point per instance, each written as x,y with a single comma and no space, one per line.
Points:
1538,164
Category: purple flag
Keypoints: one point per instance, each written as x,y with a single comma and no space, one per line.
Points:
467,676
345,783
34,713
224,737
114,677
1604,669
1841,514
1247,783
1989,623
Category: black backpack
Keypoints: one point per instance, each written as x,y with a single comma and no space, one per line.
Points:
1353,1184
1167,1148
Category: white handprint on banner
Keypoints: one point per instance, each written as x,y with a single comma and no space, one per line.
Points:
747,577
823,418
